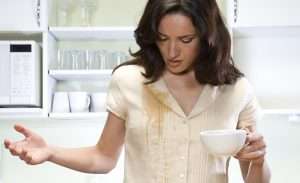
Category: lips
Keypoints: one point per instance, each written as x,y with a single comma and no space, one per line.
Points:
174,63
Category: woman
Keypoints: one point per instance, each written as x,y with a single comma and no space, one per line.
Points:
182,81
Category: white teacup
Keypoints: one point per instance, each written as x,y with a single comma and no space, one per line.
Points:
79,101
60,103
223,142
98,102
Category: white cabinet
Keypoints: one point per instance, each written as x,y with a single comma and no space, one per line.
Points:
272,66
266,18
22,15
265,36
266,13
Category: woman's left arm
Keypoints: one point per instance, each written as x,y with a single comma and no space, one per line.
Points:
252,159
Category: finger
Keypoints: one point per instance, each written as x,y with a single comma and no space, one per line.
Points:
254,137
253,147
23,154
18,149
252,155
26,132
12,150
26,156
7,143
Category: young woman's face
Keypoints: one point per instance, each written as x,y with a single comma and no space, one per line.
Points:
178,43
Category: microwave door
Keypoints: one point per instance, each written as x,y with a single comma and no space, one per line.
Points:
22,74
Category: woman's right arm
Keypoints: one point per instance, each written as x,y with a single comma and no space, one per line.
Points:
100,158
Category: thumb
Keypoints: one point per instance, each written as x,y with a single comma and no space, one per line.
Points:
26,132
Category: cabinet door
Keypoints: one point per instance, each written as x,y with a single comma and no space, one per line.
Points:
15,14
265,13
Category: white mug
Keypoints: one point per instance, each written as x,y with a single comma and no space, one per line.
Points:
98,102
79,101
60,102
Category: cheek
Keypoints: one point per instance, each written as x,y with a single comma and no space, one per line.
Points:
192,53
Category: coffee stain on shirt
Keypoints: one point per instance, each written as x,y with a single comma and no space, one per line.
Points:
156,111
153,104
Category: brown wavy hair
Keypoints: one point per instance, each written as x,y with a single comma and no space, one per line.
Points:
214,65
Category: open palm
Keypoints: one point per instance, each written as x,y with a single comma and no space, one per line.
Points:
32,149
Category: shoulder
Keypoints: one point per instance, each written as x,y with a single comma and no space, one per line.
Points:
128,77
242,85
128,72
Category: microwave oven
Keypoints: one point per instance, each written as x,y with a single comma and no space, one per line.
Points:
20,74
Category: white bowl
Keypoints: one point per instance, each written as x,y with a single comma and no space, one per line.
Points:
223,142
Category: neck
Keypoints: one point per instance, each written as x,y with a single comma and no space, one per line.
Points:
187,80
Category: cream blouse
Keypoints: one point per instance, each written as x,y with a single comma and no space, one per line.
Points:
162,144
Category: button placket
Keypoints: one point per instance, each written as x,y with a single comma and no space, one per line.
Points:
183,151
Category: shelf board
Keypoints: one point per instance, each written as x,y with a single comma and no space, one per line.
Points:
78,116
266,31
80,74
21,31
8,113
92,33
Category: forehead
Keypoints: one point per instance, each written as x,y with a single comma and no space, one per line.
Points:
176,23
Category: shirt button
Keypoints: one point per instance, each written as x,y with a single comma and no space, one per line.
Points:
181,175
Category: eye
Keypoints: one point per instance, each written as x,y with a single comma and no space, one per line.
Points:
187,39
162,38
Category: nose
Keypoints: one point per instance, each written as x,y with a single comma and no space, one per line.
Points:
173,50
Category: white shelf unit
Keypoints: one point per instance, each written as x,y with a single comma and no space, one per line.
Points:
92,33
79,34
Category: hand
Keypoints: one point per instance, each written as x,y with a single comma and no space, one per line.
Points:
33,149
254,150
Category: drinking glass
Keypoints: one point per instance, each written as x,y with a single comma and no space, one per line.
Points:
64,59
78,59
91,59
64,8
102,58
115,58
88,8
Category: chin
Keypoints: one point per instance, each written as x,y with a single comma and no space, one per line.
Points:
179,71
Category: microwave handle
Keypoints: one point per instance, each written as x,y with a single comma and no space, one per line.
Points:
38,12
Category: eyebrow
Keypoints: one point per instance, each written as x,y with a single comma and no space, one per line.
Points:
184,36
